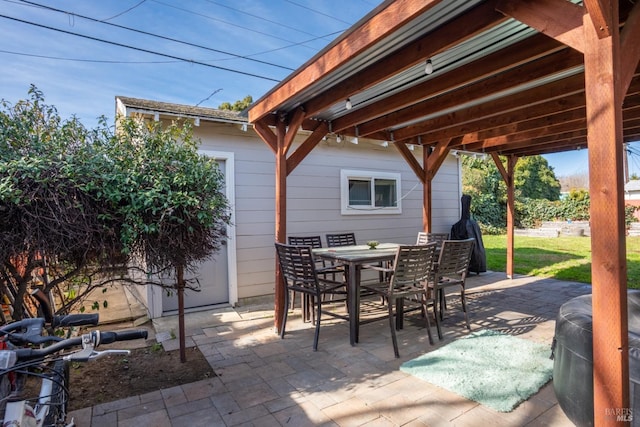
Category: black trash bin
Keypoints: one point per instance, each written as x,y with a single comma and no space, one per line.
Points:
573,358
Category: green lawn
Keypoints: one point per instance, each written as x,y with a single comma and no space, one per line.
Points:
564,258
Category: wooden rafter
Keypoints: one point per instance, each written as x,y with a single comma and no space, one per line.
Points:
559,19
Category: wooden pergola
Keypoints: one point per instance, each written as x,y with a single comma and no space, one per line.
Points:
510,78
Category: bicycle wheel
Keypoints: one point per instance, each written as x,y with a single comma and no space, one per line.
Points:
59,394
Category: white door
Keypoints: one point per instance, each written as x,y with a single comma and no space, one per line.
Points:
213,279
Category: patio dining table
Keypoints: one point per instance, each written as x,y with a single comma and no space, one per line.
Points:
354,257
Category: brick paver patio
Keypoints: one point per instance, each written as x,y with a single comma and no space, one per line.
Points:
265,381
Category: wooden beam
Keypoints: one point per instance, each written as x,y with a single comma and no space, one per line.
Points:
525,74
492,114
630,46
307,146
411,160
503,60
527,116
606,188
381,23
438,156
559,90
280,221
527,135
600,13
292,128
427,195
266,134
482,129
558,19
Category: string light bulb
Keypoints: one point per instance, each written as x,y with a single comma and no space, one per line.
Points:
348,105
338,139
455,153
428,68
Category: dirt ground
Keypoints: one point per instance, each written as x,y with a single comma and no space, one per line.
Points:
144,370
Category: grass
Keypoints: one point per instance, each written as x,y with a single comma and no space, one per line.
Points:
563,258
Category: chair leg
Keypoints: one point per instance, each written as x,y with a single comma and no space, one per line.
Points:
464,308
318,306
392,326
443,302
425,313
286,312
435,315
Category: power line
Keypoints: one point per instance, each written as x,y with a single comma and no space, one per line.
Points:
154,35
125,11
58,58
140,49
225,22
317,11
262,18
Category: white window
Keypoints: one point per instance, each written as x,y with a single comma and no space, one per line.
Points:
367,192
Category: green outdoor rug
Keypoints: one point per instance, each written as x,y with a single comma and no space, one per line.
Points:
489,367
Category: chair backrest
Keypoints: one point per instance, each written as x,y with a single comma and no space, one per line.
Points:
455,256
297,265
313,241
424,238
413,264
341,239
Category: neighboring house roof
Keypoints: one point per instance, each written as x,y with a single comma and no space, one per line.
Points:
631,186
149,107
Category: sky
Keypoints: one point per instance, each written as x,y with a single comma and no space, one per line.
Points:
83,53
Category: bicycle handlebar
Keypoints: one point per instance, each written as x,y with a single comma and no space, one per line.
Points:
109,337
75,320
95,337
30,330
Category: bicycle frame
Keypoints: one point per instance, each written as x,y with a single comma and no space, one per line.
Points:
20,413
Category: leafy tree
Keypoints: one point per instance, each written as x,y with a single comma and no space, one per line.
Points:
482,181
535,179
81,208
239,105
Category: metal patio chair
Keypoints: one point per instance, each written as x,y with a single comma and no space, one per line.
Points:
407,281
299,274
335,270
451,271
341,239
424,238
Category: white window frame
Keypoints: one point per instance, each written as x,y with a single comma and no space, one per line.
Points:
347,174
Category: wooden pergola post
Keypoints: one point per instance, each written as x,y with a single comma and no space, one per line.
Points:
609,268
427,194
507,176
281,218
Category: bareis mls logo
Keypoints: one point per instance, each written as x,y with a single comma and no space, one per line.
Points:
624,415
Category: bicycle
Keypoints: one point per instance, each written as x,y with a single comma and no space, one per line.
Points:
25,351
